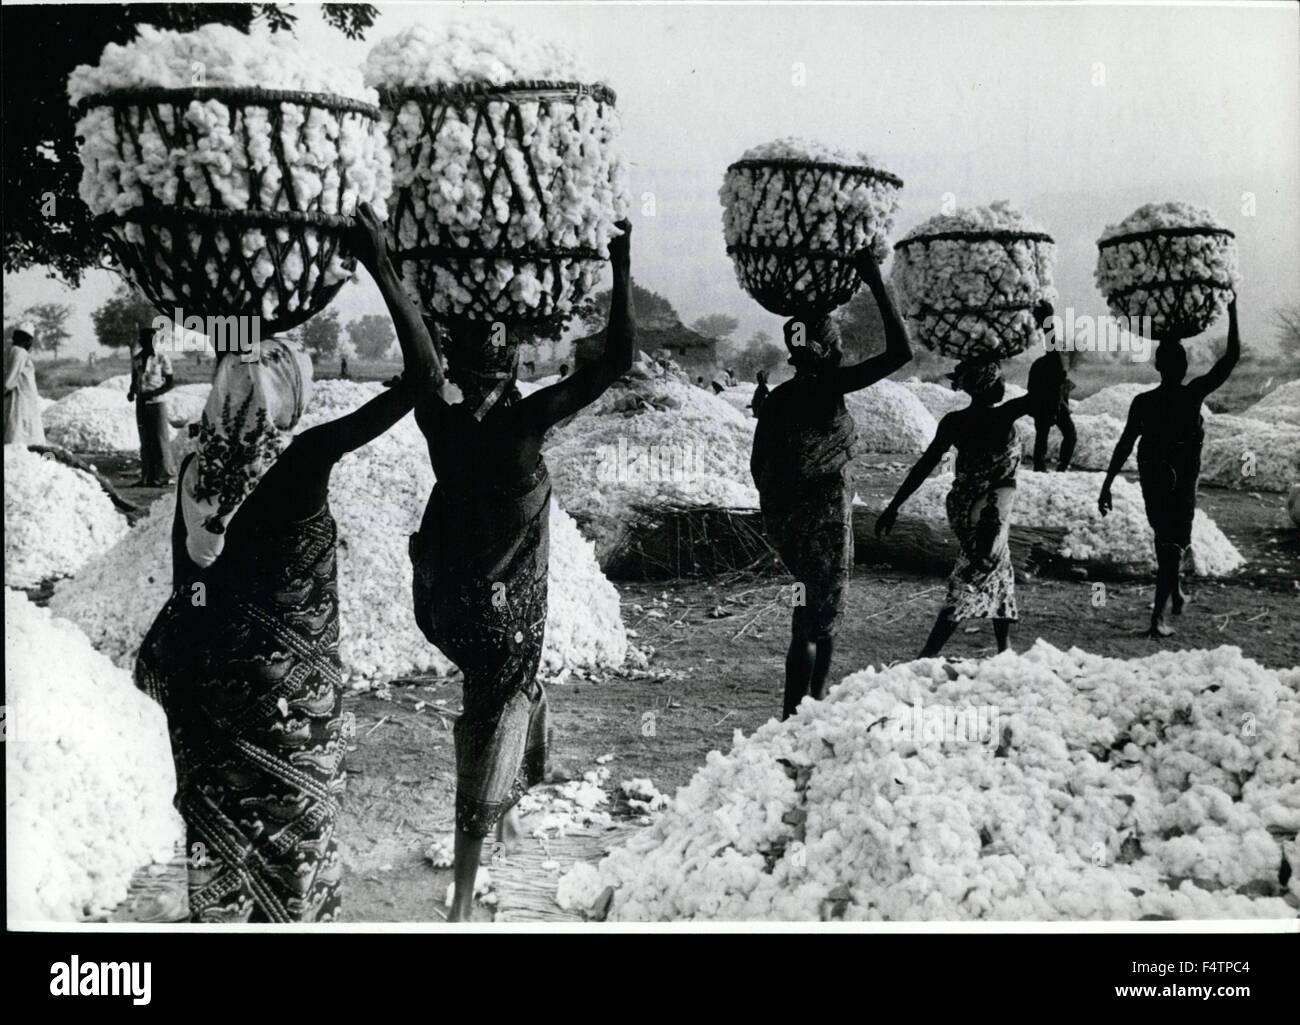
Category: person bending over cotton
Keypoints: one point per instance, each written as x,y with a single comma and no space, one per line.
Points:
802,447
480,559
1168,422
244,655
979,504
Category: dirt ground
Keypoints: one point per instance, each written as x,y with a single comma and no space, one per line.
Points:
718,650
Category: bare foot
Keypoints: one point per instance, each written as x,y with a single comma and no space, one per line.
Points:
1160,629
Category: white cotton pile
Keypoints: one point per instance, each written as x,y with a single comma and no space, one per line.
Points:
1280,406
377,496
890,418
1250,455
97,419
1096,436
469,185
939,399
739,398
185,403
316,160
973,296
1183,282
650,442
1053,785
89,776
1123,538
1114,400
56,518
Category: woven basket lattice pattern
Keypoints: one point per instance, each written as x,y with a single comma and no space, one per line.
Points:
489,218
1175,299
272,250
983,309
801,261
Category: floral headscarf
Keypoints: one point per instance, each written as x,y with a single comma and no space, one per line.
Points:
251,412
975,377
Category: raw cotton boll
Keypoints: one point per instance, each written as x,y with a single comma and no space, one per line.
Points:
1008,788
1068,501
97,419
88,767
501,176
377,496
220,152
969,281
1174,263
785,199
56,518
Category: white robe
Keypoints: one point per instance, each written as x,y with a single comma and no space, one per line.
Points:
22,403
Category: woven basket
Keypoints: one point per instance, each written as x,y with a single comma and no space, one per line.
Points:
1185,309
446,250
171,251
791,280
989,331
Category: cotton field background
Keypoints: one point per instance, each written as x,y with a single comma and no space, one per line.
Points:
646,678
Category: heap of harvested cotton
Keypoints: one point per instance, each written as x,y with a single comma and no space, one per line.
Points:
88,768
56,518
939,399
98,419
890,418
377,495
1280,406
650,442
1122,539
1249,454
1050,785
185,403
1114,400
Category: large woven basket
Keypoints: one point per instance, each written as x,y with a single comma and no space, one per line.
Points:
798,279
448,251
1185,309
172,251
1006,329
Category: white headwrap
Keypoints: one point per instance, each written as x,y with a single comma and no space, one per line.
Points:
249,418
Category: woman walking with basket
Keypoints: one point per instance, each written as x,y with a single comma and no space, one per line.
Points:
244,655
480,559
802,447
979,504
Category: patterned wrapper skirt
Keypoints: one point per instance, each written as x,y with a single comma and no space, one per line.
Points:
247,669
978,587
811,527
156,462
480,591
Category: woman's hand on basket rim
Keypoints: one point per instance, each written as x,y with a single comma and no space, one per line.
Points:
366,237
620,246
867,264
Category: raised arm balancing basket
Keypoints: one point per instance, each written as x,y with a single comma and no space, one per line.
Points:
482,229
273,251
976,312
1177,279
806,267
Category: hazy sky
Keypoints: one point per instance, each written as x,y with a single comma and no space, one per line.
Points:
1076,113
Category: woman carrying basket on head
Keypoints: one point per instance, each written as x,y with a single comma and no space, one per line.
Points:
244,655
982,582
802,447
1168,421
480,558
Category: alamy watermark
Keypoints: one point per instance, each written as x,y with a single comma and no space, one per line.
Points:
943,724
234,334
1106,333
641,464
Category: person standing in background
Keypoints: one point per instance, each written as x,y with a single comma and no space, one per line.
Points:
564,371
22,401
343,367
151,380
1049,375
760,392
